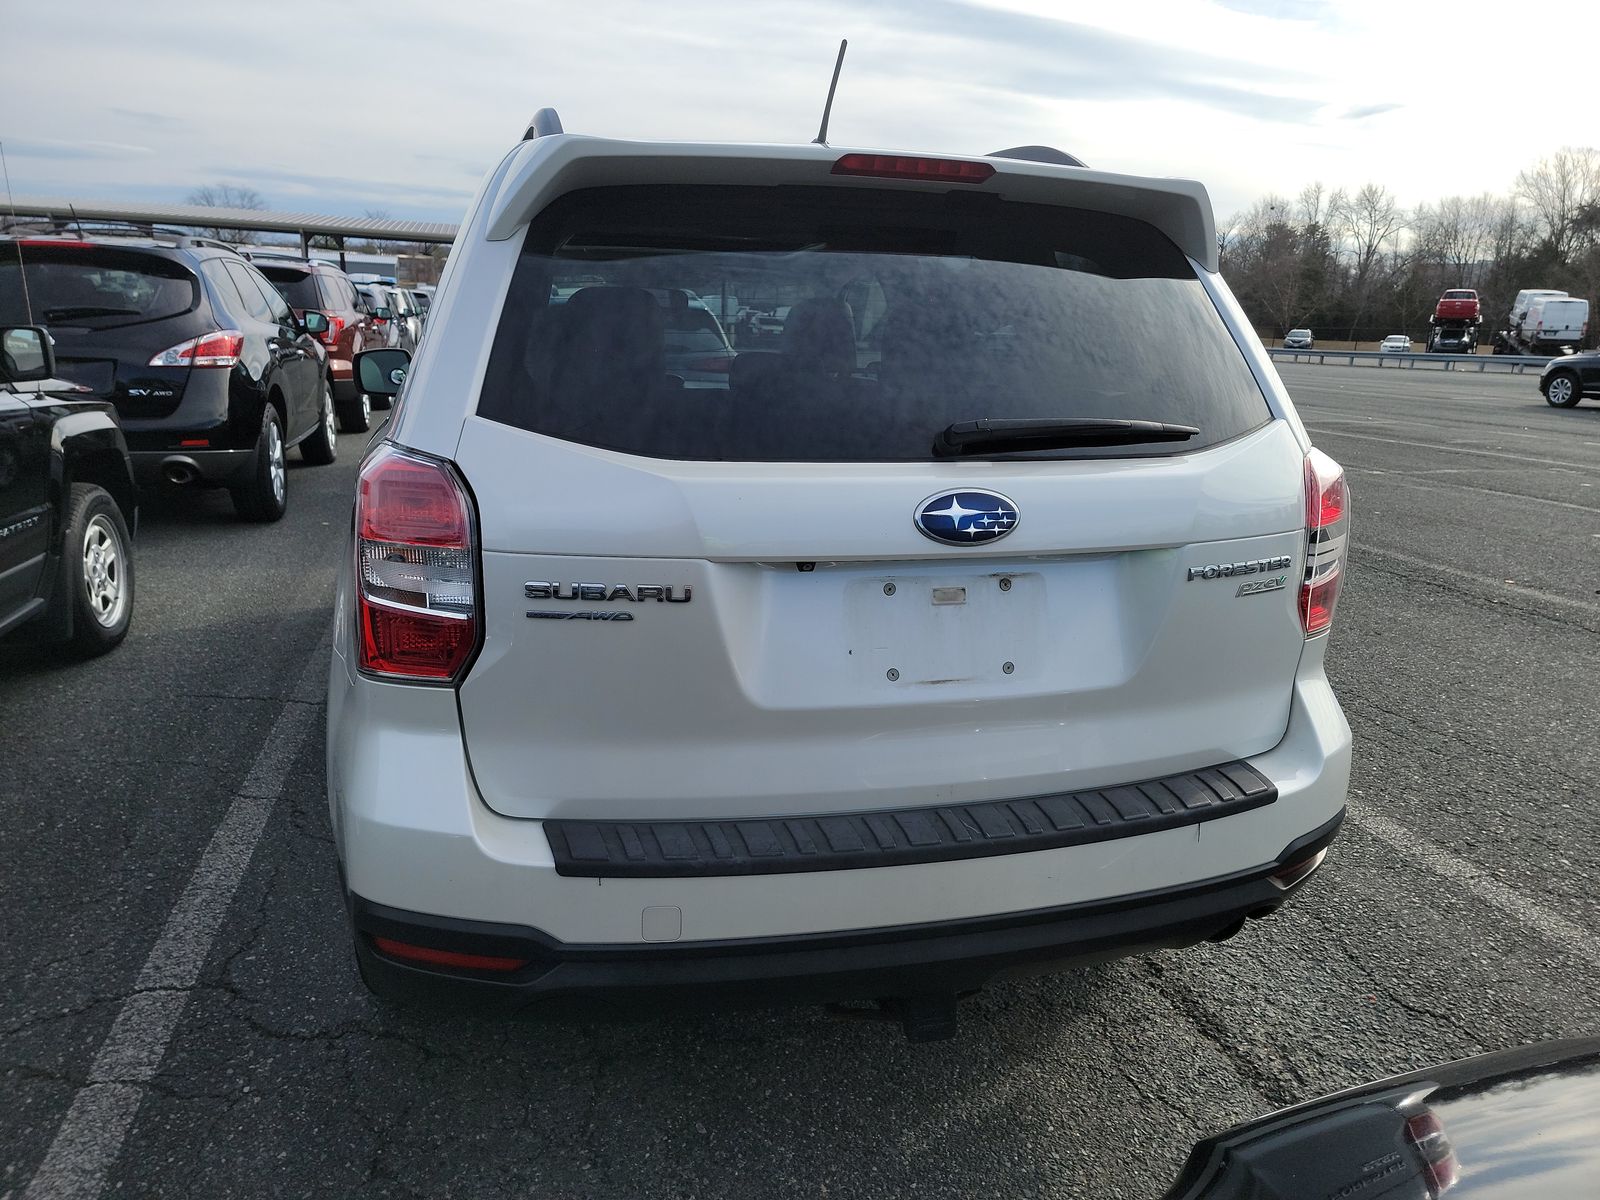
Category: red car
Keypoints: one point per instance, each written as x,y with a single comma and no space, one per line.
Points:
325,288
1457,304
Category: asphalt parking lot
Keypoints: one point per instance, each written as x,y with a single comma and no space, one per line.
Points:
1455,914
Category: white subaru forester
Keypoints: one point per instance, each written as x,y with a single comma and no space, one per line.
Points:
945,625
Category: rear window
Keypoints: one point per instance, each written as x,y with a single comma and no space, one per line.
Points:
904,314
299,288
96,287
1459,295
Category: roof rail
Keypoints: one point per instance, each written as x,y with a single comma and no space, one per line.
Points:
545,123
213,243
1043,154
88,227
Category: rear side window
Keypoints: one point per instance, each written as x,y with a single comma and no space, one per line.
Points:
901,314
277,307
99,287
299,288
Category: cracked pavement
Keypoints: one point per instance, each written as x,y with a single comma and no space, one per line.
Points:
1464,654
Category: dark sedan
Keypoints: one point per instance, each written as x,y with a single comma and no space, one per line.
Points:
1568,379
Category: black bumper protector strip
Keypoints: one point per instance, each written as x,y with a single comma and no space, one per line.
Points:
898,837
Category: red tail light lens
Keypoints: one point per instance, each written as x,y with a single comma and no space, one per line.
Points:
219,349
416,579
901,166
1441,1169
330,335
1327,541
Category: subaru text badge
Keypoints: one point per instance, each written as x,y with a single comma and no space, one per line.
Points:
966,518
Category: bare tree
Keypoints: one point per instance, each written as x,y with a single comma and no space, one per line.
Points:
1366,222
226,195
1560,189
1311,207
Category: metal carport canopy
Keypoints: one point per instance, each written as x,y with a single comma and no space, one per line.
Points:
264,220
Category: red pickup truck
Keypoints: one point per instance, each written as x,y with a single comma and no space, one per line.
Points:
1457,304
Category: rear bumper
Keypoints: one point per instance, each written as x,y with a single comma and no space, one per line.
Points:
210,468
939,958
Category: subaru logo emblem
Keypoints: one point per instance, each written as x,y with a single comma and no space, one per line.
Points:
966,518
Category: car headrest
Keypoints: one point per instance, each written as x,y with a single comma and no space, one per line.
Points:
819,335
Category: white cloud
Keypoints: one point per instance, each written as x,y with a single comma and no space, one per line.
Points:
324,106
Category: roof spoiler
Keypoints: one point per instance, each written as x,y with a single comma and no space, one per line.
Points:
1041,154
546,123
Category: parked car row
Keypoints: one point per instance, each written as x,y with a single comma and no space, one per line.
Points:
171,363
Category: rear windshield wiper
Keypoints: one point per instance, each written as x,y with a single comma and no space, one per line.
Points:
1052,433
72,311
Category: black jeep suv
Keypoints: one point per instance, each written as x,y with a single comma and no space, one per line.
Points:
212,375
67,505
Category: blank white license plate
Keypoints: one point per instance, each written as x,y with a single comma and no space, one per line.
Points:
944,628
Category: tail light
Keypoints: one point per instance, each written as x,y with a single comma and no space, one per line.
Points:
416,579
219,349
901,166
716,363
1327,541
1440,1167
330,335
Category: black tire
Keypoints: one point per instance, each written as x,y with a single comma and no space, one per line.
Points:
321,447
93,595
1563,390
266,495
355,414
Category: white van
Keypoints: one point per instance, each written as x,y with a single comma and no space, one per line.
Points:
1519,306
1555,323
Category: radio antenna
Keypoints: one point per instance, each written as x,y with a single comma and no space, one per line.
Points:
827,109
11,203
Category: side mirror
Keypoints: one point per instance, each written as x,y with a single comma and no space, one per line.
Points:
381,372
26,354
382,313
315,322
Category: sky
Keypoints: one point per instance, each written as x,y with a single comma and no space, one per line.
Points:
404,105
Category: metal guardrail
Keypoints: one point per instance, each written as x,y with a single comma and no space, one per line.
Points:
1512,363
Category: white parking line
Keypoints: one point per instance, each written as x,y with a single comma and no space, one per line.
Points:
1419,851
1522,458
1361,549
96,1125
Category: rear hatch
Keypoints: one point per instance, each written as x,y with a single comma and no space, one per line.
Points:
767,594
110,309
1563,320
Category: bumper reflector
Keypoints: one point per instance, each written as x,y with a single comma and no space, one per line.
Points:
446,958
1296,872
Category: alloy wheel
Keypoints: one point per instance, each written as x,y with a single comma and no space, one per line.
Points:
103,571
275,465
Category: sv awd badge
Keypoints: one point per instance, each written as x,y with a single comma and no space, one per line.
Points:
638,593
